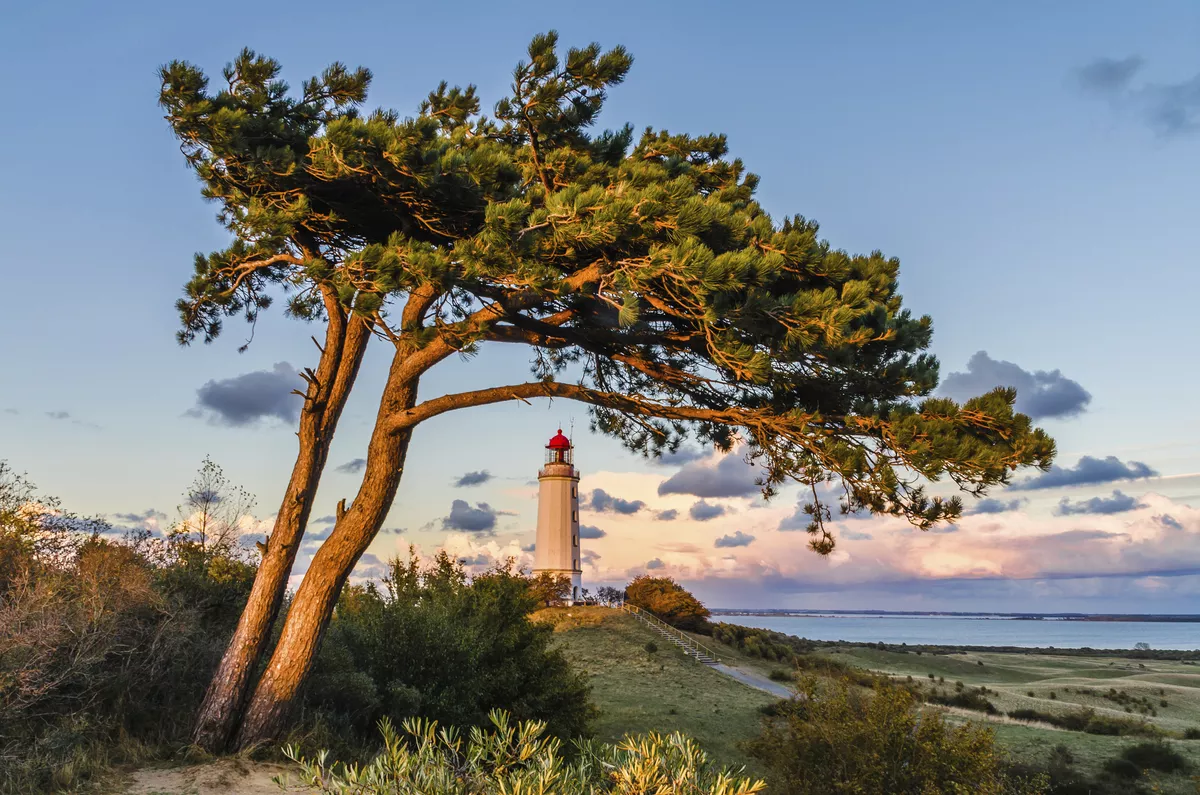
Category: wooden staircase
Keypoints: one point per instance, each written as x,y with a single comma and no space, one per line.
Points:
682,640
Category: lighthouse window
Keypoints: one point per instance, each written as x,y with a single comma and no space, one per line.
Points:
574,491
574,516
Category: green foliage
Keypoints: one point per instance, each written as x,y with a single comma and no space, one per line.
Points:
668,600
510,757
1155,755
975,698
106,646
1122,768
643,266
833,738
433,644
1089,721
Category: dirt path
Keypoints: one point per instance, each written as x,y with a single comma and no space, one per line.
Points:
755,680
223,777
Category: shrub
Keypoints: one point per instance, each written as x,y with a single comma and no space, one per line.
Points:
964,699
1086,720
838,739
1122,768
1192,733
781,675
1156,755
430,643
107,656
520,757
651,647
670,601
768,645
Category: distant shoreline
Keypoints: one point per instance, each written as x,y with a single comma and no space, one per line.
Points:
1099,617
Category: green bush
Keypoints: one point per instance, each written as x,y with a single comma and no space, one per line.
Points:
1192,733
1155,755
964,699
1122,768
430,643
651,647
781,675
512,757
837,739
1086,720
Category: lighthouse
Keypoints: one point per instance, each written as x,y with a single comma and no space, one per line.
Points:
557,547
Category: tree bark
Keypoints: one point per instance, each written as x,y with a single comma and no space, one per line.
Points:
313,605
346,338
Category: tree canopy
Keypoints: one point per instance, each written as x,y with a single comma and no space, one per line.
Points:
645,277
668,600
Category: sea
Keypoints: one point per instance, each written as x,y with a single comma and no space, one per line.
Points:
977,630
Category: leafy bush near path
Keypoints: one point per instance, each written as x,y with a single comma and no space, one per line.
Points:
835,738
431,643
512,757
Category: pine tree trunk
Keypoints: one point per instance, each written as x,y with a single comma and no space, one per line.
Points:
345,342
313,604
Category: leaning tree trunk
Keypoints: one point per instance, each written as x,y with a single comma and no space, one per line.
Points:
345,342
312,607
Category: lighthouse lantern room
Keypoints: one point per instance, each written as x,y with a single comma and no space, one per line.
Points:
557,547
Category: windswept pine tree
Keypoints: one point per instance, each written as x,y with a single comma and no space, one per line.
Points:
640,272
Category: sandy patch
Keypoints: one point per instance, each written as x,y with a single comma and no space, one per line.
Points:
223,777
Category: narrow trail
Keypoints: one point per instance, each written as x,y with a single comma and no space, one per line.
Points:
755,680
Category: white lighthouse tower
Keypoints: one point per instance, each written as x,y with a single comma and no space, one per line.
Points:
557,548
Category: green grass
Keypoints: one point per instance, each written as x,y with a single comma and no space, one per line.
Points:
636,691
1013,677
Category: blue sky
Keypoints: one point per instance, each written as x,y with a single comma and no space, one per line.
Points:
1041,214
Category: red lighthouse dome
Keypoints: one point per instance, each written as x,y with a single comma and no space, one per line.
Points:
559,449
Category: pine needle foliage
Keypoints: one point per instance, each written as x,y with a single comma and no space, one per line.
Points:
640,270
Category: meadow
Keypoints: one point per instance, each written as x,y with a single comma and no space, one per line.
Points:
1123,688
637,690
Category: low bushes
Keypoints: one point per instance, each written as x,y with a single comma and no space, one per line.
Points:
106,658
964,699
1155,755
520,757
835,738
1086,720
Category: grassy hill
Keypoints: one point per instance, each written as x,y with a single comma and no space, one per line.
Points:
639,691
636,691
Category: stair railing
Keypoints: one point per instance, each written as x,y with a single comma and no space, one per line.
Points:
677,636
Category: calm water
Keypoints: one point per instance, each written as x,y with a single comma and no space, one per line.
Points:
958,631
